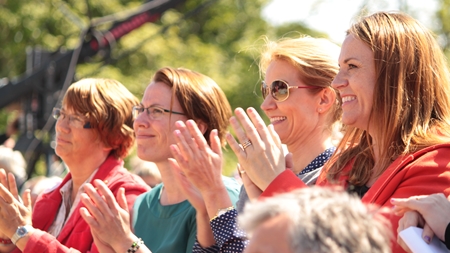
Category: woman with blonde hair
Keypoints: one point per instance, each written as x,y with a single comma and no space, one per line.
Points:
394,83
304,111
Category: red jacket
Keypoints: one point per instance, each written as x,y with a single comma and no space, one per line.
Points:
425,172
76,236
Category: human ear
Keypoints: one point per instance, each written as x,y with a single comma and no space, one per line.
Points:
327,99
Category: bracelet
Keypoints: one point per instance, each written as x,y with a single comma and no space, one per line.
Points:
135,246
5,241
221,211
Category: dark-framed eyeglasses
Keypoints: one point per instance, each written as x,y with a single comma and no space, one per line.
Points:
154,112
75,121
279,89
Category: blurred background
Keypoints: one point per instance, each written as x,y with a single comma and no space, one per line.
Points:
47,44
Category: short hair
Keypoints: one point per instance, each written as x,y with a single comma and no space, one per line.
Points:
411,105
108,106
13,161
323,220
200,98
316,60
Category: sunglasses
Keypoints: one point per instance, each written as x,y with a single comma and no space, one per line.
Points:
280,89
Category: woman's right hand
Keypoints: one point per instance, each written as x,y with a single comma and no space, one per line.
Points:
264,159
108,219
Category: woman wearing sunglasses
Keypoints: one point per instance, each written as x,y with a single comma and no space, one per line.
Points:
303,109
394,82
163,219
93,134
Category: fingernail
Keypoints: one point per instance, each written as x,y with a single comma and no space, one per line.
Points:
427,239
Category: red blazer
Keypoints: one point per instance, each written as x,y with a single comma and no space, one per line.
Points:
76,236
422,173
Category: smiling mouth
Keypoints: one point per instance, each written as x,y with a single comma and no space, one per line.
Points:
348,99
277,119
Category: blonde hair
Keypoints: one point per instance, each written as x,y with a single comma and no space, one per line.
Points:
108,106
315,60
411,105
200,98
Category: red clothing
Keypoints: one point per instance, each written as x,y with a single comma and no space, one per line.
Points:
76,236
422,173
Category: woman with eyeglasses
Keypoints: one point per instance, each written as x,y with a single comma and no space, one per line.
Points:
93,134
303,109
163,220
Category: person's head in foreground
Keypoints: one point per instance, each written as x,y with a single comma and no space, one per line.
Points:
315,220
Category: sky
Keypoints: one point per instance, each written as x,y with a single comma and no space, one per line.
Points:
334,16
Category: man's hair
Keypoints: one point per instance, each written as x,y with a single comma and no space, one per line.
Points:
108,106
323,220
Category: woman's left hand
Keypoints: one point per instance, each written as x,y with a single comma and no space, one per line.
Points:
13,213
108,219
263,159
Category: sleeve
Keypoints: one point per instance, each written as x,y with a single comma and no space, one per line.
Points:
41,241
229,239
285,182
429,174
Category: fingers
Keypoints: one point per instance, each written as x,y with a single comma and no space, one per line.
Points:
13,186
26,196
121,199
289,161
427,233
245,130
88,217
216,145
7,197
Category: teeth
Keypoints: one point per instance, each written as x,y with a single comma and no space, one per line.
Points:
348,98
273,119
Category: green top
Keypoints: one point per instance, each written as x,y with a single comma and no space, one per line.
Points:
172,228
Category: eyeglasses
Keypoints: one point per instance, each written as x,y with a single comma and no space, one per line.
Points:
280,89
154,112
75,121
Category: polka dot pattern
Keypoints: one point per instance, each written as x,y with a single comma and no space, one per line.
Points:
229,238
319,161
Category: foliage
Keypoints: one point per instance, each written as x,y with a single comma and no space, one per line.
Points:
221,40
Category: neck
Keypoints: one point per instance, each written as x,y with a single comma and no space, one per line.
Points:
303,152
83,169
171,193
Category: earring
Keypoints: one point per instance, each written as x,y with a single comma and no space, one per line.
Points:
320,110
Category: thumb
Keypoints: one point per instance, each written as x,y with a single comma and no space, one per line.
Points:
289,161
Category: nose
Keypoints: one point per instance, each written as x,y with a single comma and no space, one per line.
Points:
339,81
268,104
142,120
62,125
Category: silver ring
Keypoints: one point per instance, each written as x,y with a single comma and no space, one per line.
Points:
246,144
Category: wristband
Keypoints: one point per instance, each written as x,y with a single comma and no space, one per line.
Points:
135,246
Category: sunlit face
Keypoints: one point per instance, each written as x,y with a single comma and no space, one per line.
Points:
272,236
153,137
297,117
75,143
356,82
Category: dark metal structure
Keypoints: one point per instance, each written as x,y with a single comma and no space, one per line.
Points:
48,75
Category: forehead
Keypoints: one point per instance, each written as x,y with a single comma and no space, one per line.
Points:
354,48
157,92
